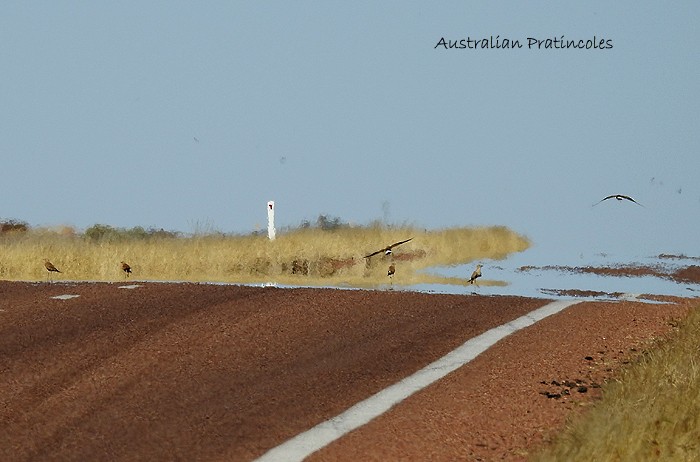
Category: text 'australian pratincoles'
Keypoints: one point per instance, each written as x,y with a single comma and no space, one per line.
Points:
532,43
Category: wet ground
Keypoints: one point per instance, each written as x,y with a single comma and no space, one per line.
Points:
599,276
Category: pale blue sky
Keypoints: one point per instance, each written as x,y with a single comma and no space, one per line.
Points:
347,109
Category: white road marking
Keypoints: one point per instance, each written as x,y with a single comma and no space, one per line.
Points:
65,297
310,441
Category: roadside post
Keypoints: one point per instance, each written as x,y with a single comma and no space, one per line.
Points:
271,220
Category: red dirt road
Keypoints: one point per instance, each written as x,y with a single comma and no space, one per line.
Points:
219,373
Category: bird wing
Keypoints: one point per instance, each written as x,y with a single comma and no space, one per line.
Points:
398,243
612,196
630,199
375,253
387,248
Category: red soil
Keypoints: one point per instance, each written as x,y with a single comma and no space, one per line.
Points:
209,373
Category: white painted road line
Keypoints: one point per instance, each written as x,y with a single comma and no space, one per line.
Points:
65,297
305,444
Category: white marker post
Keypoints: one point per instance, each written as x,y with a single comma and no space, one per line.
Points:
271,220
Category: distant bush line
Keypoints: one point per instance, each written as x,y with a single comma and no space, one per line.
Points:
103,232
13,226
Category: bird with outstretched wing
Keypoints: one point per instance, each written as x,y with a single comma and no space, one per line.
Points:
387,249
618,197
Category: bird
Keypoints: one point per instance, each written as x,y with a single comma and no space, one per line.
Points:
126,268
619,197
475,275
390,273
50,268
387,249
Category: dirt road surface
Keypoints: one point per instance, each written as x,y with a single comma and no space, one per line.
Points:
224,373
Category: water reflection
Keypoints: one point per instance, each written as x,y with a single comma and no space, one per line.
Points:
533,276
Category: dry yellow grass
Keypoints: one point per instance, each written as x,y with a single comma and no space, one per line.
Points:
302,257
651,413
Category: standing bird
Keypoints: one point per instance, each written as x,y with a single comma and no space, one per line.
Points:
475,275
390,273
126,268
387,249
50,268
618,197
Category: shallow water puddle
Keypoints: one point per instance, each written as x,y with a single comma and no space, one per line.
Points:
598,277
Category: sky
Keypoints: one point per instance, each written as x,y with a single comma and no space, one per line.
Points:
192,115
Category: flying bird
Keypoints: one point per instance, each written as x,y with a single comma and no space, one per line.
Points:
475,275
126,268
618,197
387,249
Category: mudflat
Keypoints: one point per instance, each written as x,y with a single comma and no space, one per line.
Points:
160,371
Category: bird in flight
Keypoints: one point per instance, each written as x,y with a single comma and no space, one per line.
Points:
475,275
126,268
619,197
387,249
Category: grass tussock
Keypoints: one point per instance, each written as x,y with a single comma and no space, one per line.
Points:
651,413
304,256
